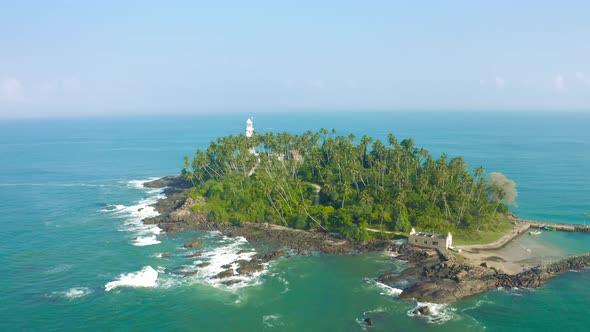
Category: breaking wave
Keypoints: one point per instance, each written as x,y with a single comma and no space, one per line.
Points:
134,215
439,313
211,263
145,241
387,290
146,277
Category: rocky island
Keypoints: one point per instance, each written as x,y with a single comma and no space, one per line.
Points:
319,192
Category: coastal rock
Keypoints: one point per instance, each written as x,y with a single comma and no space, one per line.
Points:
249,267
435,280
176,181
230,282
204,264
166,255
197,254
194,244
268,256
439,278
423,311
225,274
188,274
450,281
181,267
369,321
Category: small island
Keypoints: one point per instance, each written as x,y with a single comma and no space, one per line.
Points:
362,189
339,194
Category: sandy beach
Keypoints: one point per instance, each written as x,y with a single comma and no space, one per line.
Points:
515,254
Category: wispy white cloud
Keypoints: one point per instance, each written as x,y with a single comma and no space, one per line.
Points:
559,83
11,89
317,84
500,82
59,88
585,80
56,91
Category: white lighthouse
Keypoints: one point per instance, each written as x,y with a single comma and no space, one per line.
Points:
249,127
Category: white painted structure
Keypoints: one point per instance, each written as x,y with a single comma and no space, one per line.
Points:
430,240
249,133
249,127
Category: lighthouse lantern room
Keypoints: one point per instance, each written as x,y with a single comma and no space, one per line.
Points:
249,127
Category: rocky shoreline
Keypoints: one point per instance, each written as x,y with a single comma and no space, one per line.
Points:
176,215
440,277
435,276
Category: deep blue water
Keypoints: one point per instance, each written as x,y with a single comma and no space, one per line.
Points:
70,191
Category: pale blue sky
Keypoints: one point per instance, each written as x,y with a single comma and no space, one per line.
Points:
137,57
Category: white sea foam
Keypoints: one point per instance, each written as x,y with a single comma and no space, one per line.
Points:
135,214
145,241
361,322
146,277
388,290
378,310
72,293
478,304
58,269
439,313
77,292
113,208
225,254
272,320
284,282
139,184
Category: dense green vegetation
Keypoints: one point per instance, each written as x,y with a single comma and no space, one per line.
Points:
340,184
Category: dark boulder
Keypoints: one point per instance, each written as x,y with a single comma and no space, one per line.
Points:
176,181
369,321
193,244
268,256
422,311
188,274
230,282
225,274
249,267
425,310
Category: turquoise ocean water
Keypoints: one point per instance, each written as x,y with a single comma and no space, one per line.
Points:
70,200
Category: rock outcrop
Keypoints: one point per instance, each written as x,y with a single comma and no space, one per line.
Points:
423,311
434,279
194,244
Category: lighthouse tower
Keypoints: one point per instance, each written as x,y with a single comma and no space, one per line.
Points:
249,127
